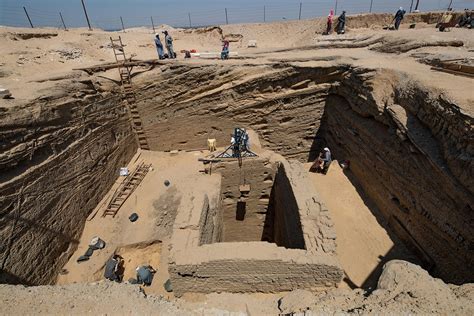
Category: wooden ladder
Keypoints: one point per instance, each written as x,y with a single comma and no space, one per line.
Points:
125,189
128,94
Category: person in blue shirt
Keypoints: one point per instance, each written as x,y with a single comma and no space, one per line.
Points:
169,45
159,47
145,275
399,17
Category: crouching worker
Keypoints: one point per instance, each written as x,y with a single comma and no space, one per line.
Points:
322,163
113,269
225,50
145,275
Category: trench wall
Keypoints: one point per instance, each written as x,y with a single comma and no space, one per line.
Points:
259,172
58,157
412,153
282,219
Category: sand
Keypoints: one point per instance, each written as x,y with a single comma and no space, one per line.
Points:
363,243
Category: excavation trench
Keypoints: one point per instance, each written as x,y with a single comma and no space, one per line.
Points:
406,145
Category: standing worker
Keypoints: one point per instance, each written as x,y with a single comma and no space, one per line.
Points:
225,50
341,23
169,44
329,23
399,17
159,47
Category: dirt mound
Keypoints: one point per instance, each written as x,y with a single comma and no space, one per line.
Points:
78,299
403,288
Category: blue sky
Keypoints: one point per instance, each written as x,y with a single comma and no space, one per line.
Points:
106,13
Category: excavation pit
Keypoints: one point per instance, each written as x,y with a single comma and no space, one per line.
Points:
391,131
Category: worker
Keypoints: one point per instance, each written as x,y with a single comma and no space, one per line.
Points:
246,140
159,47
399,17
329,23
113,268
326,159
145,275
169,44
341,23
466,20
225,50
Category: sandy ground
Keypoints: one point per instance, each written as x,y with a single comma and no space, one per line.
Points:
32,68
363,243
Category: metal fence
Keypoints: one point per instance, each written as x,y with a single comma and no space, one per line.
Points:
78,14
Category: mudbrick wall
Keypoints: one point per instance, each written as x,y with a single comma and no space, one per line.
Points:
258,266
210,223
58,157
410,148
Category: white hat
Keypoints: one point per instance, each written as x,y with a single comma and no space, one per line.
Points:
326,149
401,8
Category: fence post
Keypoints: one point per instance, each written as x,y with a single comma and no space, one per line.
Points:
335,9
121,21
299,16
264,14
26,12
226,19
87,17
371,2
189,16
62,20
152,24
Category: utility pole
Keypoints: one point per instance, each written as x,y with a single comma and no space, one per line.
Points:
152,24
264,14
226,19
335,9
121,21
87,17
189,16
299,16
26,12
418,2
371,2
62,20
